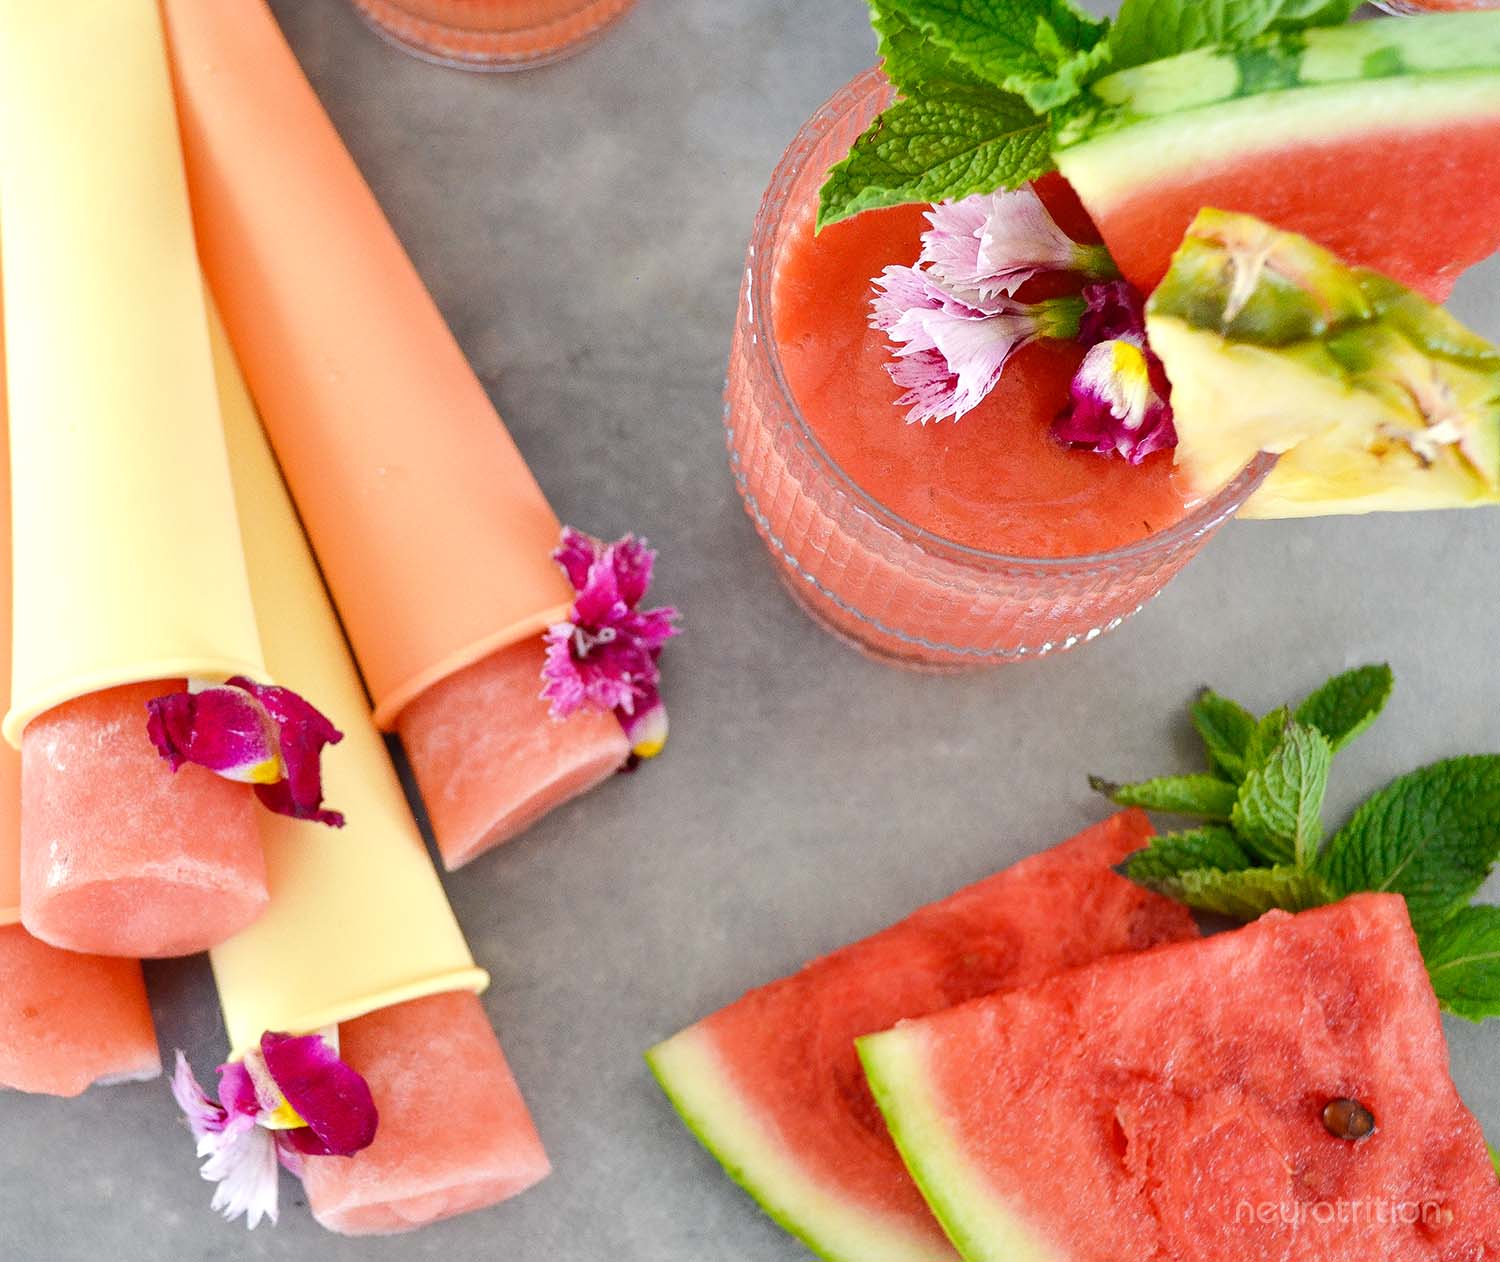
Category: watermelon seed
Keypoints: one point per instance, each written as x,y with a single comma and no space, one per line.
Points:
1348,1119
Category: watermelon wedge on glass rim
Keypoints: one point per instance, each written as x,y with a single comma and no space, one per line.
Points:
771,1084
1379,140
1279,1092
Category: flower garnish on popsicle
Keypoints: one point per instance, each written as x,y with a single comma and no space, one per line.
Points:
290,1097
256,734
605,657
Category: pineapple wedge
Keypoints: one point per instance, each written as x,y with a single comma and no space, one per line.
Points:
1373,398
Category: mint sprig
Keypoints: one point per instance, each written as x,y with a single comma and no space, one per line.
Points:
1432,835
985,84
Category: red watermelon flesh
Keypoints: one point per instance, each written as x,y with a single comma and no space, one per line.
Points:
772,1084
1340,194
1379,140
1169,1106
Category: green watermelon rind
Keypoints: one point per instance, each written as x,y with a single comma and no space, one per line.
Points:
981,1226
1366,52
1117,165
689,1072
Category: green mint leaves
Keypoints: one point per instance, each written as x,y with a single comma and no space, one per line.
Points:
960,141
1463,960
1432,836
983,84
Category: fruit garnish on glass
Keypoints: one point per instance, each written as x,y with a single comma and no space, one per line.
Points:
967,238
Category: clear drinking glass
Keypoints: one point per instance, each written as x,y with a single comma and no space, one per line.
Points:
892,589
491,34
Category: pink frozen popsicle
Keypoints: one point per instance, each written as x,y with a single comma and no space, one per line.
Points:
120,855
454,1132
488,759
69,1020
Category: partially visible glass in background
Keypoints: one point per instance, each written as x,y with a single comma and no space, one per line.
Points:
491,34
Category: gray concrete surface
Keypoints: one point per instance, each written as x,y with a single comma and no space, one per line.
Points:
582,227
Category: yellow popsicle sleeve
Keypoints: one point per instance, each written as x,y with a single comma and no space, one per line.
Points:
129,566
10,760
358,918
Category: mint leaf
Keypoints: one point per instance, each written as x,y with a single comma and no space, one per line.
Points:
1347,704
912,61
1043,50
1226,728
1463,960
964,140
1279,812
1150,29
1494,1158
1175,853
1432,835
1205,796
1266,738
1247,894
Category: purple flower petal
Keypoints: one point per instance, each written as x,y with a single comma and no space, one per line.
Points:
302,732
1112,309
251,733
237,1091
204,1117
333,1099
606,656
576,554
222,729
1118,404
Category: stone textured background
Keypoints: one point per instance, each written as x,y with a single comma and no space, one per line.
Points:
583,229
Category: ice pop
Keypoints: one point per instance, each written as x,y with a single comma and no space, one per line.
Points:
129,572
66,1020
360,932
454,1133
433,535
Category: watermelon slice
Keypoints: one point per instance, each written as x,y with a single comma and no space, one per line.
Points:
1379,140
772,1085
1170,1105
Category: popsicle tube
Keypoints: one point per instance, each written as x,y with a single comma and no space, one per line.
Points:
358,918
129,574
432,533
66,1020
360,933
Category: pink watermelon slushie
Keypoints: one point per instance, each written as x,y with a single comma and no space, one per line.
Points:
949,545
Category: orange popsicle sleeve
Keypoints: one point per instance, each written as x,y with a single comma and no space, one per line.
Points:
66,1020
432,533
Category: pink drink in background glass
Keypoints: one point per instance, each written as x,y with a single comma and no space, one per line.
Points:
491,34
957,544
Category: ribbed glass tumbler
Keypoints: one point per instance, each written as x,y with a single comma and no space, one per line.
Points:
491,34
894,590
